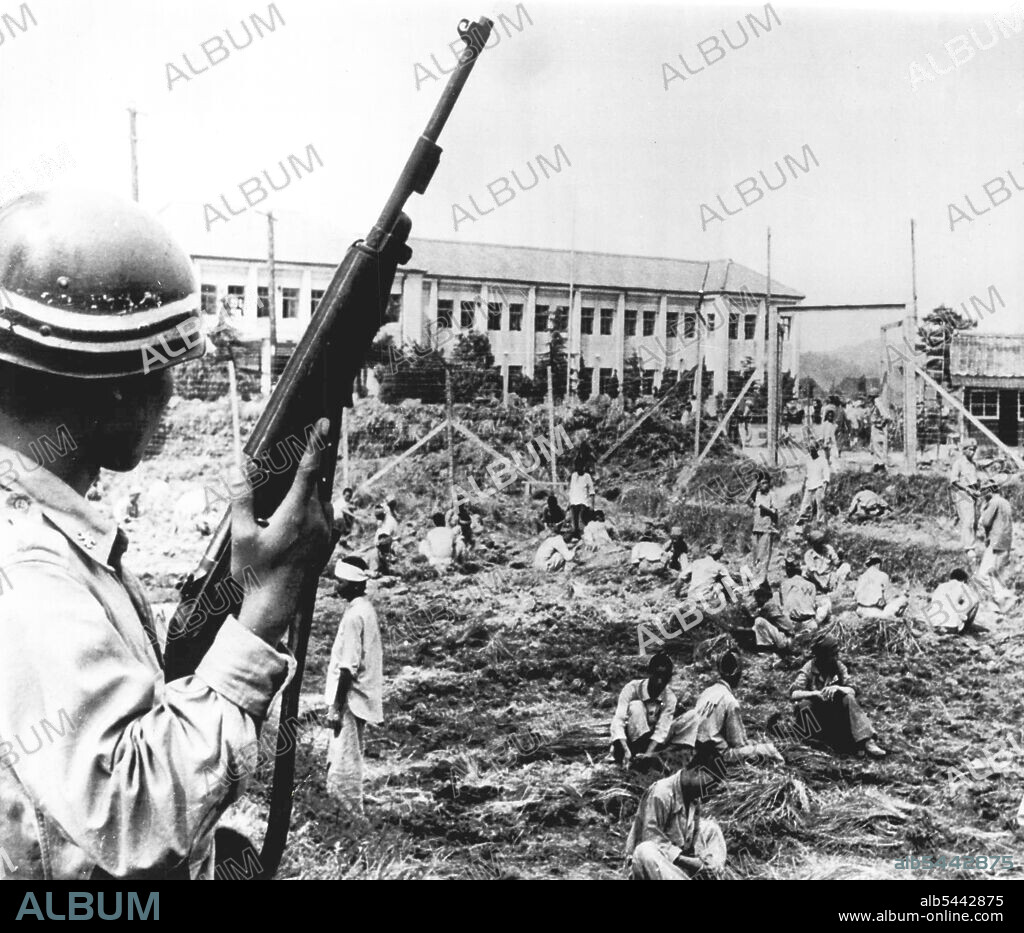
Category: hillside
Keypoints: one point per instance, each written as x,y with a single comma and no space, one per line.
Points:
829,369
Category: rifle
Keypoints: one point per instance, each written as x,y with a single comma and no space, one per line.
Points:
317,382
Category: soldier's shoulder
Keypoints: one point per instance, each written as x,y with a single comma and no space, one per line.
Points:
25,534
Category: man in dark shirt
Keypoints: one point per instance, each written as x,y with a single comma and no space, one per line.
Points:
826,703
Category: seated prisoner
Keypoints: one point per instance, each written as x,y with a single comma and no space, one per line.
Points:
644,723
822,564
800,599
554,552
443,545
876,597
669,841
826,705
867,505
954,604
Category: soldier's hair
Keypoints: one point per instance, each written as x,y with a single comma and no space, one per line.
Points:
438,519
958,573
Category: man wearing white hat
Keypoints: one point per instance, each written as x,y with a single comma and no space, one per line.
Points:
996,521
354,684
963,481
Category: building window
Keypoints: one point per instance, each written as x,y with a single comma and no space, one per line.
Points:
672,324
494,315
650,322
562,318
603,379
262,301
540,318
586,320
607,321
689,325
236,297
647,382
750,327
785,326
445,313
630,322
1020,406
734,326
290,302
208,299
515,317
467,314
710,318
316,295
983,403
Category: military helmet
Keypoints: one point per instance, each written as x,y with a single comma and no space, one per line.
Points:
92,286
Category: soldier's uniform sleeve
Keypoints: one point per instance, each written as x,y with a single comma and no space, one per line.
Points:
143,769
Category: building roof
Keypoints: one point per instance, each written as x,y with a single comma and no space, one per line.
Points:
308,240
986,356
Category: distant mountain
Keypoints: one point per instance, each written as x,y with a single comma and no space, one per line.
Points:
829,369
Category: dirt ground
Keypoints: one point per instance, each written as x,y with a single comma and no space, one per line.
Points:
500,683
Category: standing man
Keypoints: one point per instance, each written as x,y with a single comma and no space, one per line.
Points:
581,495
996,522
745,419
766,526
829,438
819,475
964,489
137,789
879,420
354,685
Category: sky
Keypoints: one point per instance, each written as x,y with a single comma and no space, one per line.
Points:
643,155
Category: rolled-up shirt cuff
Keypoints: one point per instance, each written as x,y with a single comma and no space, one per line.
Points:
244,669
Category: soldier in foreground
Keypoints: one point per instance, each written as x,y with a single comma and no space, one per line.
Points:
134,785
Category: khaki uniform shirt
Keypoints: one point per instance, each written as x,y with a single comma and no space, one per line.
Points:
103,764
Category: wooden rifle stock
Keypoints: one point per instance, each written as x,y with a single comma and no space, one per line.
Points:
317,382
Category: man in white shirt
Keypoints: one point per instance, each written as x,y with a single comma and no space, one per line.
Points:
954,604
581,496
354,685
554,553
819,475
875,595
443,545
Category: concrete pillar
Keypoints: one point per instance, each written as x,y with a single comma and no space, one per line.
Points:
411,320
251,285
305,298
574,342
718,346
661,341
430,324
619,363
529,319
595,377
480,315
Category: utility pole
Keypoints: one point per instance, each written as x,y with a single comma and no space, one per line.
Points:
133,140
772,364
449,430
272,305
909,373
551,427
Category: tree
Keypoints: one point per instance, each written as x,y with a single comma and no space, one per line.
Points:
583,385
935,337
611,388
410,372
473,372
632,378
558,361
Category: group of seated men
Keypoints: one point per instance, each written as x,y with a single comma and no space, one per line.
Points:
669,840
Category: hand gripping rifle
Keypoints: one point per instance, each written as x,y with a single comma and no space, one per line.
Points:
317,382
